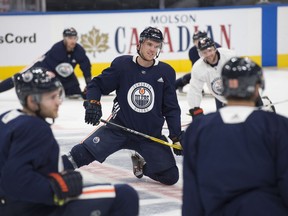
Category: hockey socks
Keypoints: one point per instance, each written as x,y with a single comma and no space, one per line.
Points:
77,157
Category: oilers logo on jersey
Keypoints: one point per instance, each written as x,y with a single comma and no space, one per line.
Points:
217,86
141,97
64,69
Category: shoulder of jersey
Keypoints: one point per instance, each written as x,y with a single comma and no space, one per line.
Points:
123,58
198,63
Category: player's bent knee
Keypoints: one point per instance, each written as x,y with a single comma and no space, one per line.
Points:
170,176
126,201
81,155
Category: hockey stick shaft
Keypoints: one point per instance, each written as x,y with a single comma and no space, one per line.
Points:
278,102
143,135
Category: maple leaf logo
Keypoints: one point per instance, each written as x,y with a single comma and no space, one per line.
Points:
94,41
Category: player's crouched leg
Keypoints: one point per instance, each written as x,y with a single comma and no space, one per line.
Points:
167,177
77,157
126,202
104,200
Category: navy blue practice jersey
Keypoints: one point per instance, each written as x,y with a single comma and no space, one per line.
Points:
145,96
231,153
58,55
28,153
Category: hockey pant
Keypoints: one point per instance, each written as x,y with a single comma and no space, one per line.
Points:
160,161
104,200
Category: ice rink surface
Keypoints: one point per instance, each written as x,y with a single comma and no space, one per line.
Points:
155,198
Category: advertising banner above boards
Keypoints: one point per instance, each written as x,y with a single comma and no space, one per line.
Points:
25,37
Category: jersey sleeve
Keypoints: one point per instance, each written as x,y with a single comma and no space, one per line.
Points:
52,58
194,94
106,82
171,109
84,63
24,175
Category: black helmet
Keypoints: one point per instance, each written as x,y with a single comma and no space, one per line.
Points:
240,76
69,32
152,34
33,81
199,34
205,43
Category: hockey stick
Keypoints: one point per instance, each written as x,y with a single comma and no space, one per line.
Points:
143,135
182,126
278,102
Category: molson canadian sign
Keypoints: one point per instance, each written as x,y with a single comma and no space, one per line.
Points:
23,38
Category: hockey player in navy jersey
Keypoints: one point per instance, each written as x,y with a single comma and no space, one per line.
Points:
145,98
193,56
236,159
61,59
32,179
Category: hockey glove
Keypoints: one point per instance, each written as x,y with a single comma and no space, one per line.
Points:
176,141
93,112
65,185
195,112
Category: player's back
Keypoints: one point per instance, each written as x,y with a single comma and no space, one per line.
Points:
238,150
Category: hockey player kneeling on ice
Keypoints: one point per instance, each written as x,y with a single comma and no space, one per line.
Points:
235,159
61,59
32,179
145,98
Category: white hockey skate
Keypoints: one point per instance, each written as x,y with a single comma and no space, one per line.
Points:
138,162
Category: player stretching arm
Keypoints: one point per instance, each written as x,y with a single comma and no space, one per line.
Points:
145,98
61,59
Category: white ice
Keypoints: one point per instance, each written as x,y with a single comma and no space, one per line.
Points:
155,199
